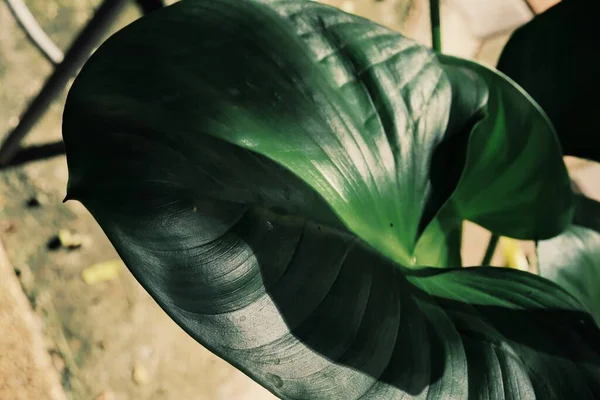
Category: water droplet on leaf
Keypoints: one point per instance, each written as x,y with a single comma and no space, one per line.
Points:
275,380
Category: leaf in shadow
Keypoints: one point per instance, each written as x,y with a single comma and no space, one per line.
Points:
572,259
553,58
310,312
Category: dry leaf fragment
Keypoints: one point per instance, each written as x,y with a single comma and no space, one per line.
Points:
101,272
140,374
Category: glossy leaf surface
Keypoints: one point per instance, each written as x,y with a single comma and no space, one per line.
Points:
266,195
514,164
353,131
363,121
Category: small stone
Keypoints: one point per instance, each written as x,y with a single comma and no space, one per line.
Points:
58,361
145,352
348,6
13,121
106,395
8,226
75,345
42,299
140,374
51,10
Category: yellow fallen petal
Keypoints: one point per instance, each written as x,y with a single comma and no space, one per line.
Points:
69,240
101,272
514,254
140,375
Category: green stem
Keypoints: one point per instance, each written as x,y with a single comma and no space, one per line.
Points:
491,249
436,37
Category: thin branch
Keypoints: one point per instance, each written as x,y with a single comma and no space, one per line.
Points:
34,32
491,249
436,36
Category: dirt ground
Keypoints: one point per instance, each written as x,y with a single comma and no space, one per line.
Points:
26,370
110,341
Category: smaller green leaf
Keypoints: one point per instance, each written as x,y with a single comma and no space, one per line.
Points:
515,182
553,58
513,159
573,259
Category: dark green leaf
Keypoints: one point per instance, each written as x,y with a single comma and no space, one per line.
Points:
261,179
514,168
572,259
347,113
358,113
554,59
513,162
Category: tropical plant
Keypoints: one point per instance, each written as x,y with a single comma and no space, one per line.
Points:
289,181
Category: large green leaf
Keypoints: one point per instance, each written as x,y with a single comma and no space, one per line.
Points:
265,194
572,259
355,123
322,107
553,58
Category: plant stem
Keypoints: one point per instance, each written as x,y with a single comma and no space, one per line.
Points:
491,249
436,37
